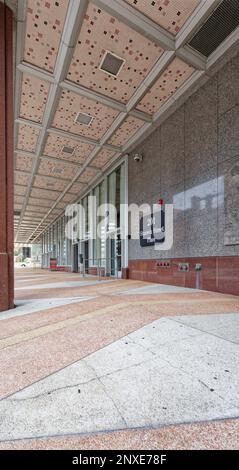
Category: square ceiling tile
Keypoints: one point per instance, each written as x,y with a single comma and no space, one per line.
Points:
77,188
24,162
101,32
21,178
33,98
168,83
57,169
102,158
20,190
45,182
87,175
71,104
61,205
19,199
129,127
44,26
45,193
27,137
40,202
68,198
38,209
170,14
54,148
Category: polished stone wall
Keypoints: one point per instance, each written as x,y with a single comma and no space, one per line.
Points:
189,161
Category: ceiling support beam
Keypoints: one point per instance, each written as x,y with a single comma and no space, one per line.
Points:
203,10
137,21
79,138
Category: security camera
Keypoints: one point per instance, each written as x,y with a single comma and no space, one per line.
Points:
138,157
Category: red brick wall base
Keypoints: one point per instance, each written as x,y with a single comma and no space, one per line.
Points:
218,274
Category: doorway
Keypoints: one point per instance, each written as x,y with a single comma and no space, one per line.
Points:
75,267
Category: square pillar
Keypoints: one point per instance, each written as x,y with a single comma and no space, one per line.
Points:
6,159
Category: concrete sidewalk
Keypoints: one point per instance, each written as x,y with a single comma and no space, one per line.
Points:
121,365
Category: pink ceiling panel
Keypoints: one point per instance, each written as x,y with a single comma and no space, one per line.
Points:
57,169
71,104
20,190
167,84
21,178
33,98
24,162
44,26
40,202
49,183
45,193
170,14
102,158
76,188
88,174
129,127
27,137
101,32
54,148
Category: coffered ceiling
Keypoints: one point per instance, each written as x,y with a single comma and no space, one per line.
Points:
92,78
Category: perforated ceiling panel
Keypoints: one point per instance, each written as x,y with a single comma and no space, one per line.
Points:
45,182
52,168
27,137
170,14
24,162
55,144
129,127
33,98
101,32
217,28
167,84
69,106
21,178
102,158
44,26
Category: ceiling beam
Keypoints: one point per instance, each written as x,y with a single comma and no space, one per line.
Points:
28,122
196,19
80,138
30,69
137,21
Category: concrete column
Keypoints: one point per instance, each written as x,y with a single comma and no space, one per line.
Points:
6,158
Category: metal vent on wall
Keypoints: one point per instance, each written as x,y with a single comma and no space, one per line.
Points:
111,64
217,28
83,118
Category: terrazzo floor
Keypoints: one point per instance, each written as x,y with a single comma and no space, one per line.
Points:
117,364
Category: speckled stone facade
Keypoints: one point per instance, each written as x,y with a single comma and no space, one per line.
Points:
185,161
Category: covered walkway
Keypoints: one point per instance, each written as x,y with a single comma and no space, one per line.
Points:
117,364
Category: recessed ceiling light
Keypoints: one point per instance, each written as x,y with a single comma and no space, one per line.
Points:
67,149
111,64
83,118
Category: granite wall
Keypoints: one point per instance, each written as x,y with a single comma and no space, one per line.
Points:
187,161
